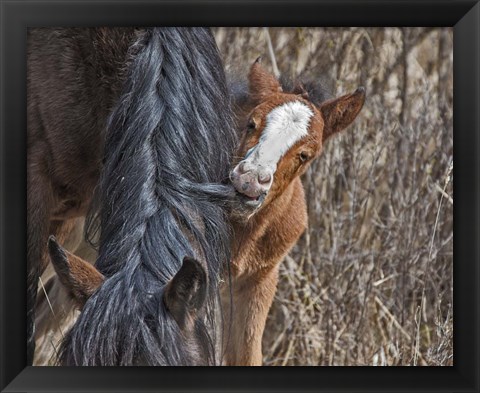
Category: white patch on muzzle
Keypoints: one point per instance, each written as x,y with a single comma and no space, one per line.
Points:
285,126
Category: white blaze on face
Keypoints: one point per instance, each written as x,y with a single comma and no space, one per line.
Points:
285,126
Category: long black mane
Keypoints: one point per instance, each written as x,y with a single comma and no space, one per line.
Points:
168,148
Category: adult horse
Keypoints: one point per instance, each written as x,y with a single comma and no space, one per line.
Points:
139,116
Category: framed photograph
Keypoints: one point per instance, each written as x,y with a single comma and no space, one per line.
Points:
327,184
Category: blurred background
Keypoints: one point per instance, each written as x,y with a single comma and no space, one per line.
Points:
370,282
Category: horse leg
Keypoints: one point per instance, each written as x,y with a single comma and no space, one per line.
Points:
252,298
39,206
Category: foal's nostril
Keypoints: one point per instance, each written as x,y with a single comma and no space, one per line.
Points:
241,167
264,177
244,167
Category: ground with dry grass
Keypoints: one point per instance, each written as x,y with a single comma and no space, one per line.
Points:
370,282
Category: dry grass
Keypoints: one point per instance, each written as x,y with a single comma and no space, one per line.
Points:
370,282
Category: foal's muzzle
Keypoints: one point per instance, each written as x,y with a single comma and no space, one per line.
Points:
252,182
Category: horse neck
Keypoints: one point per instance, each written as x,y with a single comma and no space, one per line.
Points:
282,205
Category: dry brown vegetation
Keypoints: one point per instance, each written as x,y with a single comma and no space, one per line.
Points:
370,282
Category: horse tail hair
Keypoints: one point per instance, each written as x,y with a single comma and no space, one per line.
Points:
160,197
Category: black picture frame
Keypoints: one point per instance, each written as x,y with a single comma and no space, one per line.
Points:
463,15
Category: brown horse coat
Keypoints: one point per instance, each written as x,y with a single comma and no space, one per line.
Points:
264,235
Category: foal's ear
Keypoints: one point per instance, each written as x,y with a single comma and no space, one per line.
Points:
339,113
262,83
186,293
79,277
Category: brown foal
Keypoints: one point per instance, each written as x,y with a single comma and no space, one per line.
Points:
284,133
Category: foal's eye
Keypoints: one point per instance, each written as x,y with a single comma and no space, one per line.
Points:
251,125
303,156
